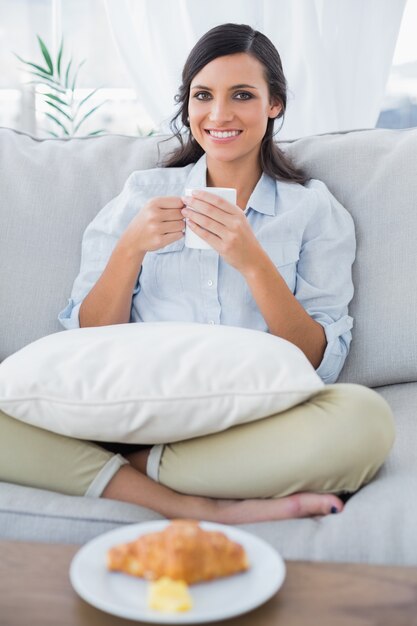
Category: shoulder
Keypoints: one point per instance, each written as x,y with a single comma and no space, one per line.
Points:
316,200
318,210
314,191
159,177
329,208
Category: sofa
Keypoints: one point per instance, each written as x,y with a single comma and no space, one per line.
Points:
50,189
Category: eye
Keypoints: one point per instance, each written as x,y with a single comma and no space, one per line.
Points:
244,93
247,96
201,93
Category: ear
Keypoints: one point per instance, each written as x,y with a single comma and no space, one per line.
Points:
275,109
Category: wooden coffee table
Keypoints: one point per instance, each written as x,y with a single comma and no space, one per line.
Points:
35,591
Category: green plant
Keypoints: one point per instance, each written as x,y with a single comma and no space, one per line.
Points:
67,115
143,133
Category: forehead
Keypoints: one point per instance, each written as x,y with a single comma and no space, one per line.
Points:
231,69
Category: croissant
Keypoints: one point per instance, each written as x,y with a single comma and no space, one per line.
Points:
182,551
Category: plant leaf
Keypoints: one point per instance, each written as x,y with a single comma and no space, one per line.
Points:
47,83
46,55
67,74
58,63
43,70
46,79
51,95
88,115
55,106
96,132
76,73
51,132
58,122
85,99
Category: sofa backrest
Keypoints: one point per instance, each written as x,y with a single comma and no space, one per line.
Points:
373,174
50,190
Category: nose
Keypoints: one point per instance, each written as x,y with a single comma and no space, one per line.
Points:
220,111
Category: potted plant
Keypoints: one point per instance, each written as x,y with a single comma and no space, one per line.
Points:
59,85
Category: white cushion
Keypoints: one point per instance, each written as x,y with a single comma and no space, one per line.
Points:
155,382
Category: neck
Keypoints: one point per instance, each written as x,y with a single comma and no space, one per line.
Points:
241,176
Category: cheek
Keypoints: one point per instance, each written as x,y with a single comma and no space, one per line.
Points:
194,113
256,117
257,128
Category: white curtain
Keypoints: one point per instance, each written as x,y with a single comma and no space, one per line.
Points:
336,54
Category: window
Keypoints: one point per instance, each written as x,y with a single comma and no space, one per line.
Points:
399,109
86,36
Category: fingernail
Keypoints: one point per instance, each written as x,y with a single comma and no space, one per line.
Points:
334,509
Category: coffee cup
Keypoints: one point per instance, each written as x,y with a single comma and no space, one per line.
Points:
191,239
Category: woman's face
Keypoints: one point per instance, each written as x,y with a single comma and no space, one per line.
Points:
218,103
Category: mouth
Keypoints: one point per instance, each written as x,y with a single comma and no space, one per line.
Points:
223,136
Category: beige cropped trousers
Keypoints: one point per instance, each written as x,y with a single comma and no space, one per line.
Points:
334,442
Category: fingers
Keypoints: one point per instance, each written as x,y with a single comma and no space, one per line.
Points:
170,208
213,199
171,227
199,221
168,202
167,208
169,215
204,208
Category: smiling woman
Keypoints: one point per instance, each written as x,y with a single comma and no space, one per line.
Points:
223,114
270,268
233,81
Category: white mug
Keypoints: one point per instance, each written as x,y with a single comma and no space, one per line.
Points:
191,239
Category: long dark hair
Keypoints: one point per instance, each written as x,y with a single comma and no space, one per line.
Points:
220,41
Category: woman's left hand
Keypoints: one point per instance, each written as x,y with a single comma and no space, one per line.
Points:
224,226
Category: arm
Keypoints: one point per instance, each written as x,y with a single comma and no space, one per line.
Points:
113,248
110,300
316,317
283,314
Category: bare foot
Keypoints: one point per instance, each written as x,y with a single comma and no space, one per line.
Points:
257,510
132,486
261,510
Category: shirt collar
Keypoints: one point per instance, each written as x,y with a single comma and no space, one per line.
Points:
262,198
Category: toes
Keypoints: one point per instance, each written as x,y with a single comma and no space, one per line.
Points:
309,504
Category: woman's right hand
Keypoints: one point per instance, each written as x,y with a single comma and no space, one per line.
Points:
157,224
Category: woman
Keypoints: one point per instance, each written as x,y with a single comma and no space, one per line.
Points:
272,269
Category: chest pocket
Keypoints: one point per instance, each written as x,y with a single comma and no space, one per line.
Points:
167,269
284,255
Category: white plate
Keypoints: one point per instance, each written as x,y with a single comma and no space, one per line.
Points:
126,596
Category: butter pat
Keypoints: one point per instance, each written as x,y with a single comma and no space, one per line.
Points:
169,596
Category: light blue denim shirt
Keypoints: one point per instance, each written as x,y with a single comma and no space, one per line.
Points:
306,232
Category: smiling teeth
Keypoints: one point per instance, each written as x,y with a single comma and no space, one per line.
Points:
232,133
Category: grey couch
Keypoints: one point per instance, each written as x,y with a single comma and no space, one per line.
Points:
49,192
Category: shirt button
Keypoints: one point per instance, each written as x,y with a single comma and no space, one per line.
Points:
209,282
212,322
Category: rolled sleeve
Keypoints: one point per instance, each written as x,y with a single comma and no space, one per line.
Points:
324,283
338,338
69,317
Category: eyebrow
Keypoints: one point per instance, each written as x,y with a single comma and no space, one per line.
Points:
240,86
